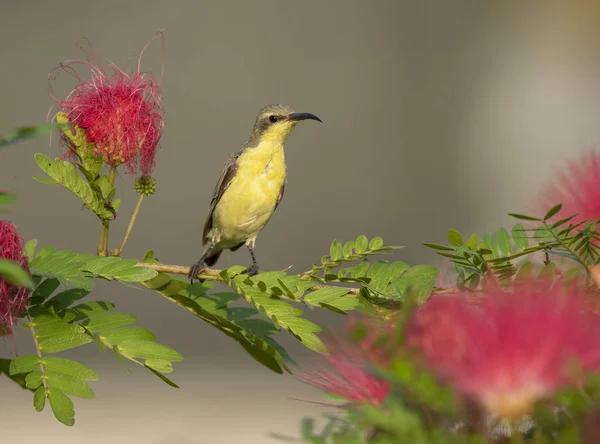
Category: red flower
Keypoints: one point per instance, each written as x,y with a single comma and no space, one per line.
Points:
577,188
512,349
12,299
348,371
121,114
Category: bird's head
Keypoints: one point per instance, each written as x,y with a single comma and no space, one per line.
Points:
274,123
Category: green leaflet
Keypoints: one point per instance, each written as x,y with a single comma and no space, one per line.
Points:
89,309
69,367
419,279
140,348
12,273
69,385
333,297
519,235
115,337
62,406
335,252
7,198
59,337
65,174
454,237
34,379
24,364
160,365
39,399
17,378
108,321
26,132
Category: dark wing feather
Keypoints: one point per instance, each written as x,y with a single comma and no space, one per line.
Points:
280,195
227,175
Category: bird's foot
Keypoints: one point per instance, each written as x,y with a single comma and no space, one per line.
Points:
195,270
251,271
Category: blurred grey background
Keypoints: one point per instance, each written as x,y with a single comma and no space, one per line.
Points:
437,114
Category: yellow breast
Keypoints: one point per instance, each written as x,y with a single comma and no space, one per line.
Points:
249,201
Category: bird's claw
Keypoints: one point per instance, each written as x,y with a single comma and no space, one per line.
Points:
251,271
195,270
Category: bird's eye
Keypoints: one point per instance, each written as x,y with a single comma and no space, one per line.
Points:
273,118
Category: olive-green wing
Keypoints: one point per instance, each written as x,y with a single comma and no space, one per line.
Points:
227,175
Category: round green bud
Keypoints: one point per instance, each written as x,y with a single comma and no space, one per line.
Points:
145,185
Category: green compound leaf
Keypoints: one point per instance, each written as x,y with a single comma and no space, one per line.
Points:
282,313
78,270
65,174
213,310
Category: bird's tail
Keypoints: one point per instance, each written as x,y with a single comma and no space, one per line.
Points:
212,259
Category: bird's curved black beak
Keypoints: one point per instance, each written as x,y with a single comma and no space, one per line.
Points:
303,116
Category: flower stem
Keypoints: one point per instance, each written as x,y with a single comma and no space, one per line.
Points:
103,245
131,222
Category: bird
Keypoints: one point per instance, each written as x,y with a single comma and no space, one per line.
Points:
249,189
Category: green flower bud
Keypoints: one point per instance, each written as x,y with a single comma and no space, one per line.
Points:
145,185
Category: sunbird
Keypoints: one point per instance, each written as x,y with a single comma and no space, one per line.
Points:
249,189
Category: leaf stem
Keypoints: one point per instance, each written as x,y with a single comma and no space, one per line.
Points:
38,350
103,245
131,222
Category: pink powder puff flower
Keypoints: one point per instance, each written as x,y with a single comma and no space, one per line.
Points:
348,370
577,188
121,113
12,299
512,348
